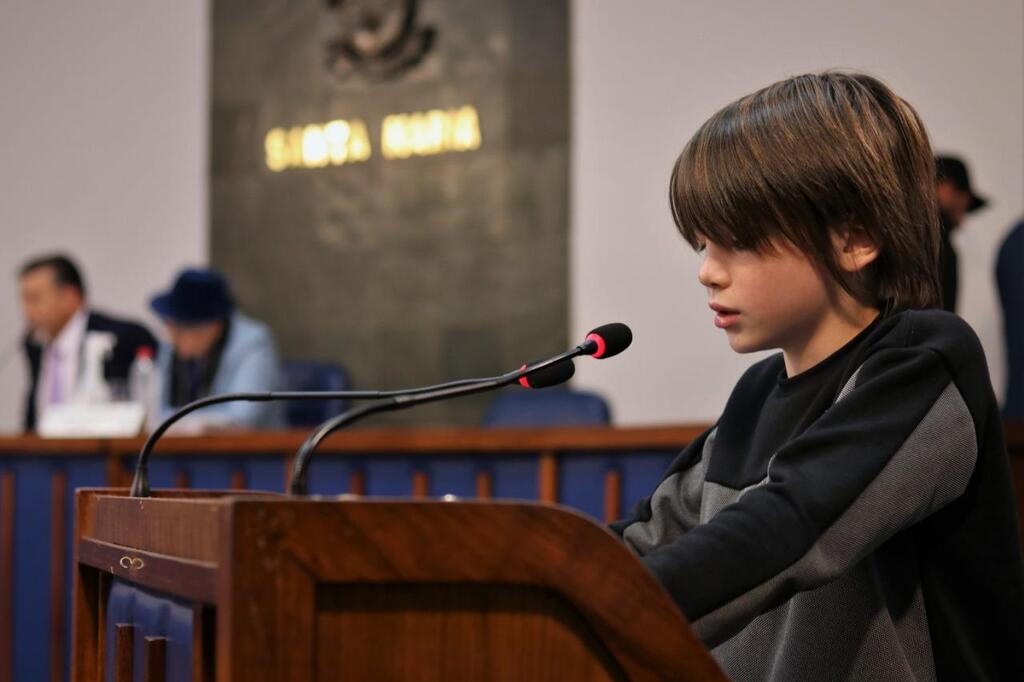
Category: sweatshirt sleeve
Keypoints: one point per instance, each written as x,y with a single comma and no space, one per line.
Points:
676,500
898,444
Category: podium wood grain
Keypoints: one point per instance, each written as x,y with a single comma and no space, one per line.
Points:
399,590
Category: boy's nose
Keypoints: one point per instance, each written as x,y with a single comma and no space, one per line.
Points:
711,273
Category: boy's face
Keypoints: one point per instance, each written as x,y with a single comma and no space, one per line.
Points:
767,300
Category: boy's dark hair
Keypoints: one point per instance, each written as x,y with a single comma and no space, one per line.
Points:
809,155
65,272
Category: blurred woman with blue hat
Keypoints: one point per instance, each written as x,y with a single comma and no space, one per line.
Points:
214,349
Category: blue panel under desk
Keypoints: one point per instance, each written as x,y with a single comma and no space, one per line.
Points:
452,475
81,473
154,615
330,475
389,476
581,482
261,472
515,478
32,506
32,562
641,473
265,473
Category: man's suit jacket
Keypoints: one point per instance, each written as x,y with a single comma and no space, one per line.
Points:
129,337
1010,278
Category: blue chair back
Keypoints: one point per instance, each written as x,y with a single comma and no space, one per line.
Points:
548,407
306,375
154,615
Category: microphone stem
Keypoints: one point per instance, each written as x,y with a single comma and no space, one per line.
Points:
303,456
140,481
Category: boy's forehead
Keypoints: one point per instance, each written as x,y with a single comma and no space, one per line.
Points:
745,232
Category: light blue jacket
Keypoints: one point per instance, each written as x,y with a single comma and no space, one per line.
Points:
249,363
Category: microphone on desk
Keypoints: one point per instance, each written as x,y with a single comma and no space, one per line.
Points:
531,378
603,342
607,340
612,338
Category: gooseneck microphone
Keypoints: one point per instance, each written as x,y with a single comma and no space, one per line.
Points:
140,481
544,374
603,342
614,338
607,340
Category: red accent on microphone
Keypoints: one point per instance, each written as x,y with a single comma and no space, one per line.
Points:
600,345
524,381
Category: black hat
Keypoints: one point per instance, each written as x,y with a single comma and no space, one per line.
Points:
197,296
953,169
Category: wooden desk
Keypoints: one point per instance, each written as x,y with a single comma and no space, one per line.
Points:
269,587
600,471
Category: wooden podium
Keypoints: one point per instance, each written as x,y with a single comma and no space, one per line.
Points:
281,588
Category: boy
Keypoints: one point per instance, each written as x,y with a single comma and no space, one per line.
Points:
850,514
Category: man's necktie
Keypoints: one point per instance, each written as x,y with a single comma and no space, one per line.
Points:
56,390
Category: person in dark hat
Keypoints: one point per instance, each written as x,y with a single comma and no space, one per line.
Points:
956,200
213,349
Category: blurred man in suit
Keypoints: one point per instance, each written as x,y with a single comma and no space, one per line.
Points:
214,349
1010,278
956,200
53,298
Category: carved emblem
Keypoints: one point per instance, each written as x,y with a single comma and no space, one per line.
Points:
378,39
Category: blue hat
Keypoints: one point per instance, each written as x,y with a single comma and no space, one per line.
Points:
197,296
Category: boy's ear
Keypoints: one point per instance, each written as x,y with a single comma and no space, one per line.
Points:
854,248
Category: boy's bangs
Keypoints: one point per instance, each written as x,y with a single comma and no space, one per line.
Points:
809,155
717,194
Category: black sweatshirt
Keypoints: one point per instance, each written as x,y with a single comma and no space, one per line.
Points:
855,521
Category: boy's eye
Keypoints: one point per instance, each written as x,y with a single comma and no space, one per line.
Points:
734,245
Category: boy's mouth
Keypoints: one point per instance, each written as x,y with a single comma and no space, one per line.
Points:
724,317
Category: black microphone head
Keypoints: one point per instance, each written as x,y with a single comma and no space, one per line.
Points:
556,374
608,340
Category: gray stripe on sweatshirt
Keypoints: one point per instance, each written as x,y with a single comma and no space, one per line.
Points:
931,469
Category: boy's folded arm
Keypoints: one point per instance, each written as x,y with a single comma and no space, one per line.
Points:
676,500
897,447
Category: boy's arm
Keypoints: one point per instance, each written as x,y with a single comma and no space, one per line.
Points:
898,445
674,506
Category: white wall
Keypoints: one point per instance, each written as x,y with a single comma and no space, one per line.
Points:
648,73
103,109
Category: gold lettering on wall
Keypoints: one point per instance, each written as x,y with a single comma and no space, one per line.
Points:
430,132
338,142
317,145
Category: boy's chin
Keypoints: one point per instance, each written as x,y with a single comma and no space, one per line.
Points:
744,344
